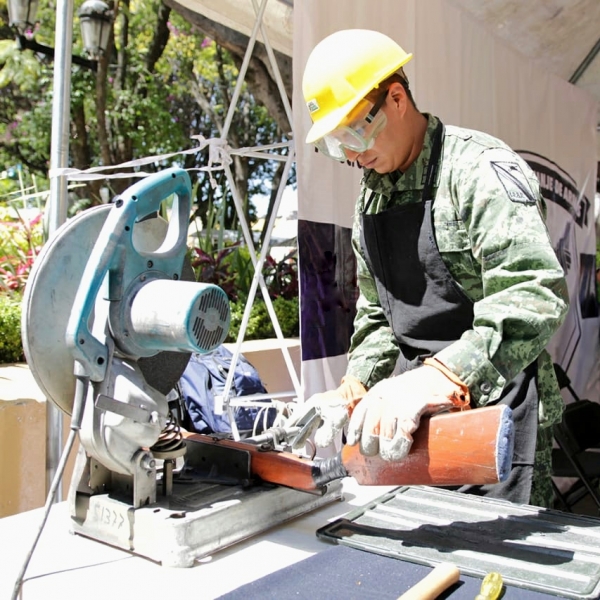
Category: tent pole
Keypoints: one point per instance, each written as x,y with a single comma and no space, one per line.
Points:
273,61
222,402
242,72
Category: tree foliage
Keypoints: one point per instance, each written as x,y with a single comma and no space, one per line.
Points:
162,83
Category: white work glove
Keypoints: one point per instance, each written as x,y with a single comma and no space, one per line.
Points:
383,421
333,409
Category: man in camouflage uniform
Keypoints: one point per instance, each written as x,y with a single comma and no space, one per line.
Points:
460,289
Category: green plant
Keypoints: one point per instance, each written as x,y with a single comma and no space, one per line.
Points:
260,325
11,349
241,264
230,267
598,271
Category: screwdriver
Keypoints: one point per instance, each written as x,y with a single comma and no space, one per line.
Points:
491,586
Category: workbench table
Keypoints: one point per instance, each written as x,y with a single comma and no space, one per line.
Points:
288,561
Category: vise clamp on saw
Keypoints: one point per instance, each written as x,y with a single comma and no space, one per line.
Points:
111,315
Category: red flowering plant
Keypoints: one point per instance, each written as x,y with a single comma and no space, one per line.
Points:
20,242
281,276
216,268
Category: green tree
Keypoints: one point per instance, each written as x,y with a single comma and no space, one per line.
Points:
161,83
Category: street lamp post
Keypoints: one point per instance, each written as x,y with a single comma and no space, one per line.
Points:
95,19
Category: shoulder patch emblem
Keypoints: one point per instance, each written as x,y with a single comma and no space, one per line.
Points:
514,182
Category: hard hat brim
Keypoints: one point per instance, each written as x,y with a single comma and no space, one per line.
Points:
330,122
327,124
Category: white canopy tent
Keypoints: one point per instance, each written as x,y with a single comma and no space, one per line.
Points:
239,15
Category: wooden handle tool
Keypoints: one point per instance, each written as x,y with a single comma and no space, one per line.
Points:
431,586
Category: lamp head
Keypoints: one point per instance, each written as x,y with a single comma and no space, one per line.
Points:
95,18
21,15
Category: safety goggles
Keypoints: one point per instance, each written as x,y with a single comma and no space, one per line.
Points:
358,135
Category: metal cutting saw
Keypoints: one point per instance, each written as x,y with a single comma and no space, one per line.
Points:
111,315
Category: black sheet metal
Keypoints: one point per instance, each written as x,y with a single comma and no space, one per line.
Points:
533,548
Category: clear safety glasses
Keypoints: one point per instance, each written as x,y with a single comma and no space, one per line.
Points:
357,135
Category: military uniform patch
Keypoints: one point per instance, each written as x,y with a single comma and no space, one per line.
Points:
514,182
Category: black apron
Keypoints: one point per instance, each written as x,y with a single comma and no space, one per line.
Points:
428,311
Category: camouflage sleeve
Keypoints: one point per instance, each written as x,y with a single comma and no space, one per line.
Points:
373,348
524,291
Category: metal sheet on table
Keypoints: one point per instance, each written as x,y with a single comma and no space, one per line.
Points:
533,548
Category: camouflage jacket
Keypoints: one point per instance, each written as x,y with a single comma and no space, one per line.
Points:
490,230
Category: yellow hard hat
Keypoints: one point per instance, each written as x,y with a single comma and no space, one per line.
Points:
341,70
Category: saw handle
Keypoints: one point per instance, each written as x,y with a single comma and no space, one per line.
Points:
114,252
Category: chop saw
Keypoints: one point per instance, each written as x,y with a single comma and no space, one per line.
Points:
111,315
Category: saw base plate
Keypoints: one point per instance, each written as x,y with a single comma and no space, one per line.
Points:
197,520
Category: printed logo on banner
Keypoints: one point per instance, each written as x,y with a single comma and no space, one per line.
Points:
514,181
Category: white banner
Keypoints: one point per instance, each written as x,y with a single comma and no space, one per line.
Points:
468,78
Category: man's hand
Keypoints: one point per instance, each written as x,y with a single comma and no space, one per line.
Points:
333,408
382,423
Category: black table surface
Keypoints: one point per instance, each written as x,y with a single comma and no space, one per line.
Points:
344,573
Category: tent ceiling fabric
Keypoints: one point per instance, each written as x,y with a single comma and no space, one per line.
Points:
562,36
559,34
241,16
